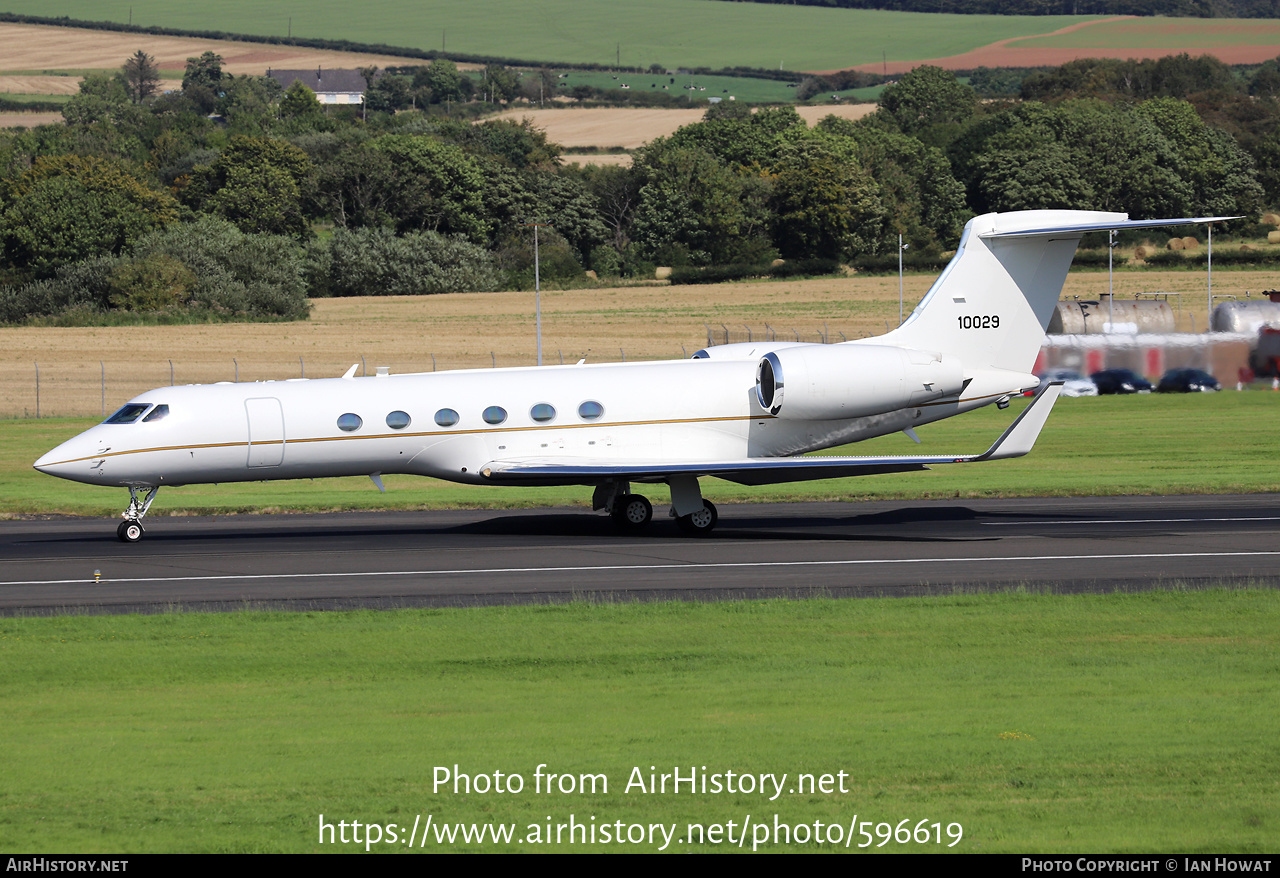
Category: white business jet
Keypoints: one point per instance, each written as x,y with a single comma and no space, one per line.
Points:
742,412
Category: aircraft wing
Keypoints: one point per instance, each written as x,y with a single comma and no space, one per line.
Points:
1014,442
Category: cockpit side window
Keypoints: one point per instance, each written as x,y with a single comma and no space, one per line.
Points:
160,411
128,413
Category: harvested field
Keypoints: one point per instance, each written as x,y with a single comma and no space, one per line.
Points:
461,330
31,48
40,85
622,159
28,120
1234,41
631,128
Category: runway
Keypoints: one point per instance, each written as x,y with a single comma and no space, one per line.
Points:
456,558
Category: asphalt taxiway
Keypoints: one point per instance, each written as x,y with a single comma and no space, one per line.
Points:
452,558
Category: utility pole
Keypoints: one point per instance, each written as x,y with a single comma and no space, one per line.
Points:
537,287
1111,290
1209,319
901,247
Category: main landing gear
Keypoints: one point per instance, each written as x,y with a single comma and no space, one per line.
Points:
130,530
633,512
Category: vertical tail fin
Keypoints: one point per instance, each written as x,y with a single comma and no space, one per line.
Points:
991,304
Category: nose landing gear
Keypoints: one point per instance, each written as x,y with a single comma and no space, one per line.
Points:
130,530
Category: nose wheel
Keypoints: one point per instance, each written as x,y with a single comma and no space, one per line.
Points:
130,530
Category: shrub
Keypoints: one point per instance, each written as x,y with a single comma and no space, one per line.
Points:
375,262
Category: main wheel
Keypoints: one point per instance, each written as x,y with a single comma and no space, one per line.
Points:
129,531
632,511
700,523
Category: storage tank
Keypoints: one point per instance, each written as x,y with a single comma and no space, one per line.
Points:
1086,317
1248,316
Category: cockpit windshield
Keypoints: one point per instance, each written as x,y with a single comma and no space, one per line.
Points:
128,413
160,411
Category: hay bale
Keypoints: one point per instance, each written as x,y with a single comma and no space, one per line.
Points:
1273,237
1271,219
775,263
662,272
1142,251
1189,243
593,275
1248,248
1175,244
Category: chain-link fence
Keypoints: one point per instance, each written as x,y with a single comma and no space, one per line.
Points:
57,387
733,333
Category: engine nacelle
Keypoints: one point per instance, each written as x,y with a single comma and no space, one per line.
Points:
839,381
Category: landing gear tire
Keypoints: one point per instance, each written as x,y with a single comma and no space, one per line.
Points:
632,512
700,523
129,531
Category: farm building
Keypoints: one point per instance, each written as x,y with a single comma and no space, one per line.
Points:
330,86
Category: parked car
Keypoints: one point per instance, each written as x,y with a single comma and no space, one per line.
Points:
1073,384
1120,381
1187,381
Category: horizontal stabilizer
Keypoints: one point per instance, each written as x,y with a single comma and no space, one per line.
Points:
1015,442
1074,229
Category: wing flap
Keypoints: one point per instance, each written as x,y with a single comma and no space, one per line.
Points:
1014,442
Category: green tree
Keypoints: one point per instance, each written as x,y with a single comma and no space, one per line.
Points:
255,183
824,207
300,102
203,72
694,209
450,196
501,85
202,81
924,200
929,98
67,208
444,80
141,77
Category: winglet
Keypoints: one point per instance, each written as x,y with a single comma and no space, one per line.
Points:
1021,436
351,373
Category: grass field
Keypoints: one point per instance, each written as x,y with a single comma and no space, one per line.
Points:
1038,723
674,33
1104,445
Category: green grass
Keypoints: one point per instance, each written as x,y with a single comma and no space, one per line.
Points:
674,33
1151,444
1040,723
23,98
750,89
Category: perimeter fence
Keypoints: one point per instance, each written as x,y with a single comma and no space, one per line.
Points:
58,387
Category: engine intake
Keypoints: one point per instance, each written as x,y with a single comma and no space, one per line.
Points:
835,382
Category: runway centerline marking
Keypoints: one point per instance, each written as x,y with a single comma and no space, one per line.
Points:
1124,521
690,565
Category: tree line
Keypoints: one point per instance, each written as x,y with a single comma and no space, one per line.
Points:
1180,8
234,199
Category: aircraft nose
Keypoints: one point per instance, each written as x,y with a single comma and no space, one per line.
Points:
63,460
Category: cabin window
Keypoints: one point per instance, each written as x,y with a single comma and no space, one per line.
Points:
349,422
543,412
494,414
128,413
590,410
446,418
398,420
156,414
